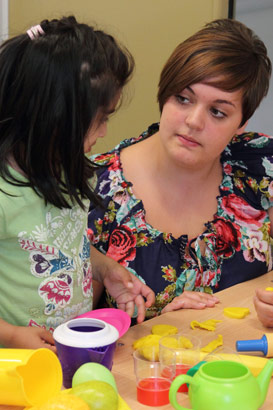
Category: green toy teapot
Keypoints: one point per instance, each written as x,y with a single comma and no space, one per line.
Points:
224,385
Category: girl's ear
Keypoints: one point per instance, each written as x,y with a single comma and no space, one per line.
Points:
242,128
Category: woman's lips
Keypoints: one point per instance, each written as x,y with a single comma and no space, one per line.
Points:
189,141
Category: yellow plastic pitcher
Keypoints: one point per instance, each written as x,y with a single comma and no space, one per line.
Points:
28,377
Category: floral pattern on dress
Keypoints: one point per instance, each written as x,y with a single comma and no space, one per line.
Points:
122,245
58,269
237,240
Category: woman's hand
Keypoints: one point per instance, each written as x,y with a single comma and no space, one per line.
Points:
263,302
21,337
124,287
191,300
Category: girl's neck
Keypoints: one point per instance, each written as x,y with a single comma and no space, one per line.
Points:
13,164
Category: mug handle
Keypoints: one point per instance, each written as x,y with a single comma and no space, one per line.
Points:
178,381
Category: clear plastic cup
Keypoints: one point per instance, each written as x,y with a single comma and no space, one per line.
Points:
153,383
178,354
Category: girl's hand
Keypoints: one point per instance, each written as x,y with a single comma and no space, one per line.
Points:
191,300
128,291
21,337
124,287
263,302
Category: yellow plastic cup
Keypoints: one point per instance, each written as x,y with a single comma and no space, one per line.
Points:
29,377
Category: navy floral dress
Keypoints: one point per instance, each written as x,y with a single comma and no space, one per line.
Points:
238,242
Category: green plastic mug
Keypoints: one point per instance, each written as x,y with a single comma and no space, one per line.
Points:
224,385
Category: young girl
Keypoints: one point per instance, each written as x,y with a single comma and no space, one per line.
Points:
188,204
58,84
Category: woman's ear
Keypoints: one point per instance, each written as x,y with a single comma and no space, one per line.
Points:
242,128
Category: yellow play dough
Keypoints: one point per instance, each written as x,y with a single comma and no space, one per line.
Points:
236,312
149,340
213,344
150,353
164,330
269,289
185,342
148,346
170,342
180,341
207,324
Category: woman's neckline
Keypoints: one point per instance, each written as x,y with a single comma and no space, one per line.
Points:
129,188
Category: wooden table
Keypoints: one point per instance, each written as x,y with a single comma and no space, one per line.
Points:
232,330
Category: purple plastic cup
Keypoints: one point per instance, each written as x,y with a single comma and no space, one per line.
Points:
84,340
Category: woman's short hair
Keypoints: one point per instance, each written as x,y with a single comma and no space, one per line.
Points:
51,88
226,54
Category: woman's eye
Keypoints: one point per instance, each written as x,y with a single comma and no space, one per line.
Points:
217,113
182,99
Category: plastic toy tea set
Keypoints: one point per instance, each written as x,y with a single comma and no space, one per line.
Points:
227,384
33,378
85,347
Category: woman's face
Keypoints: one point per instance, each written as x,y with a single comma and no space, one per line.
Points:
99,127
198,123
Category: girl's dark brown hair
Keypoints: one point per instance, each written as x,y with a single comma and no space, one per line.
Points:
227,55
51,88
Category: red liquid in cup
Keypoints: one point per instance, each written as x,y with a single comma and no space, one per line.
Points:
153,391
182,369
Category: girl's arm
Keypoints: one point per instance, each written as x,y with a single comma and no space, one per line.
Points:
21,337
97,292
123,286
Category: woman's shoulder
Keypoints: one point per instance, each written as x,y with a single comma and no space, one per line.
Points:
110,162
110,183
110,157
250,145
248,160
253,151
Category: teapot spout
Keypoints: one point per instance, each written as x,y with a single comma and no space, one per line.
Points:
263,379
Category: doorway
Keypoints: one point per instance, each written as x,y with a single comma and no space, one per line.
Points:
258,15
4,21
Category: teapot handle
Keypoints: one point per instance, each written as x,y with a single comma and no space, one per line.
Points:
178,381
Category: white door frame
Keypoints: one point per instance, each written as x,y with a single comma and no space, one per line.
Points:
4,20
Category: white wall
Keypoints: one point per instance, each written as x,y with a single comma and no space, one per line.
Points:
151,29
258,15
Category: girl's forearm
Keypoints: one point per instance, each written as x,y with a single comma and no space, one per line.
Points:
6,331
100,264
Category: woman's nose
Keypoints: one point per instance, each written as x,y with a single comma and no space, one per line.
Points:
195,117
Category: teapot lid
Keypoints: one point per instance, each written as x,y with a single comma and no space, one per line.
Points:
85,333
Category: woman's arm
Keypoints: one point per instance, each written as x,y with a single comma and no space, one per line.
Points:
270,213
263,299
191,300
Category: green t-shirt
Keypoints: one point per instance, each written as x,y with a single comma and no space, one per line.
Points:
45,270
